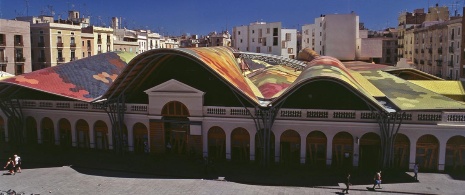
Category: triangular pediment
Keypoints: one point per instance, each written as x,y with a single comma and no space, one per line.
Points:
173,86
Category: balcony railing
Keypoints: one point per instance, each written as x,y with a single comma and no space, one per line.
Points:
438,62
282,114
72,45
41,44
2,44
451,49
451,63
42,60
99,41
60,59
74,59
440,50
60,44
20,59
19,44
4,60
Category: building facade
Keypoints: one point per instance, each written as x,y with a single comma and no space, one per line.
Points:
15,47
268,38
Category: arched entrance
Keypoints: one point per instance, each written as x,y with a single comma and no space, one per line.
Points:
259,147
140,138
370,152
240,145
101,135
455,153
65,132
401,151
216,144
343,144
48,132
82,134
427,152
316,149
31,130
176,126
290,147
2,130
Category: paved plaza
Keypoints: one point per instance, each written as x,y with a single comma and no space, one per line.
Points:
72,171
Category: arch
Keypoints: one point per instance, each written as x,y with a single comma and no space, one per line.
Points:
141,140
401,151
370,151
217,143
31,130
64,127
48,132
316,149
259,147
101,135
290,147
2,130
240,145
343,146
427,152
176,128
175,108
455,153
82,134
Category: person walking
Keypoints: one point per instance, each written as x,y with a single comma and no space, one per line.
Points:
347,184
11,166
377,179
415,171
17,163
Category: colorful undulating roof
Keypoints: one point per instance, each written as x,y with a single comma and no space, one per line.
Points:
84,79
407,95
103,76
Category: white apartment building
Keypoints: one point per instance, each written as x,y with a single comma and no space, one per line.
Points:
455,38
333,35
269,38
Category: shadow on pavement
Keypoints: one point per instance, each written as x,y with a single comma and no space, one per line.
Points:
130,165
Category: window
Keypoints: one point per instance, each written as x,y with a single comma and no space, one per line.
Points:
83,43
290,50
269,49
73,55
288,36
19,69
72,33
89,54
275,41
59,32
41,32
83,55
72,40
275,31
241,40
258,50
59,39
253,40
238,32
253,31
268,31
18,40
2,39
3,67
283,44
88,44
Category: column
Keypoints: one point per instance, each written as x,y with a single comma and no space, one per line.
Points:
73,134
228,146
413,153
252,147
303,147
442,155
277,149
329,151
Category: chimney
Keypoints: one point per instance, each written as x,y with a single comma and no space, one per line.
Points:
114,22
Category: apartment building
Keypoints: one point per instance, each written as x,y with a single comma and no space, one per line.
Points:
102,39
334,35
15,47
219,39
262,37
54,42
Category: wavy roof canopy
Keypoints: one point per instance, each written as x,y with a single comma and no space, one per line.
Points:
85,79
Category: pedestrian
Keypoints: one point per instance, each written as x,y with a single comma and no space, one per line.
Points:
11,166
377,180
17,164
415,171
347,184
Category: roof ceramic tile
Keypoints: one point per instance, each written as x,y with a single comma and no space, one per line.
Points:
84,79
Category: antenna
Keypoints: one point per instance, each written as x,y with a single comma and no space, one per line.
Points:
27,7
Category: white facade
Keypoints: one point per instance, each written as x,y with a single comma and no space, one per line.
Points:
333,35
261,37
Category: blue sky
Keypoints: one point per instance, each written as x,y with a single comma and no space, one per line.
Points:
175,17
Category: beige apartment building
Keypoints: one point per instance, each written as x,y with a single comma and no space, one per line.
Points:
15,47
102,39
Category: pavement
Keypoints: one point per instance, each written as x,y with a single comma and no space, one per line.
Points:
72,171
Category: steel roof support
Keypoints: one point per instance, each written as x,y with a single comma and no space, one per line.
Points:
115,109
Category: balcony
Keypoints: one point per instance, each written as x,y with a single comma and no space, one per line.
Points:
20,59
451,49
415,61
422,51
2,44
73,59
422,62
19,44
108,43
450,63
438,62
42,59
72,45
60,60
440,50
99,41
41,44
60,44
430,62
4,60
